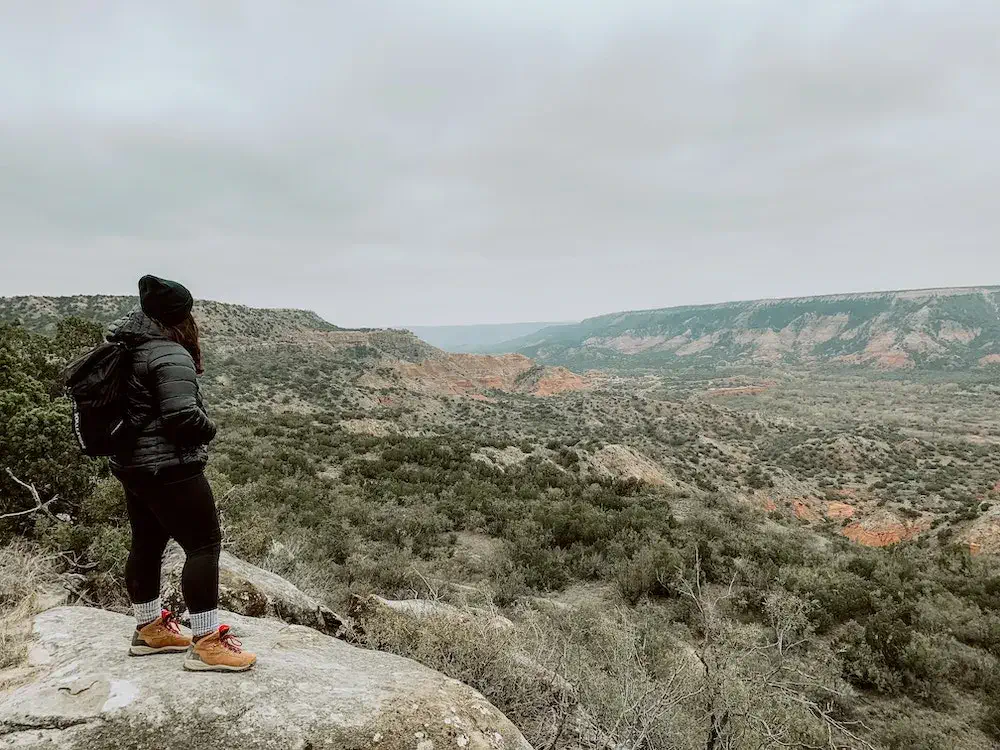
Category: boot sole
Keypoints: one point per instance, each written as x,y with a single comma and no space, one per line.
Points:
200,666
150,651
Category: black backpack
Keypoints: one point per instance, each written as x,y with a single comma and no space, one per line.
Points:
95,384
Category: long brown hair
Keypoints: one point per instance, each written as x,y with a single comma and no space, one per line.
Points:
185,333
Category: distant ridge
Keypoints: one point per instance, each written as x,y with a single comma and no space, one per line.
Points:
297,349
935,328
226,327
40,313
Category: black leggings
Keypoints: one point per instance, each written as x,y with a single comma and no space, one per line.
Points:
176,503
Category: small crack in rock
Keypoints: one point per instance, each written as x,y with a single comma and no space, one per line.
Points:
45,722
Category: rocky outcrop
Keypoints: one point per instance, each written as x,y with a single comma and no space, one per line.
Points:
470,374
251,591
309,691
624,462
883,529
839,511
804,509
983,535
552,381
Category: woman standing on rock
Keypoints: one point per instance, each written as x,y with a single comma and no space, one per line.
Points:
166,491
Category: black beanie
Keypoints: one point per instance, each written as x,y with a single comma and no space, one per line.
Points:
165,301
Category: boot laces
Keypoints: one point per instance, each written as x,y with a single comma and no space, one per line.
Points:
230,641
170,621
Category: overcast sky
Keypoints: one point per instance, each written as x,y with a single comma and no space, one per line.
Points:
462,161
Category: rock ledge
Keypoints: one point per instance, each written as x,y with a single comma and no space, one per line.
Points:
309,692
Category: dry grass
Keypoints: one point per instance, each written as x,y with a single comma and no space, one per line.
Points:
25,574
600,676
567,677
474,650
635,679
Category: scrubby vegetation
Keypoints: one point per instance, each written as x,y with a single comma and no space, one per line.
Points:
656,603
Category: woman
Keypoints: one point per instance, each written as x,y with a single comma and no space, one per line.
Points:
162,472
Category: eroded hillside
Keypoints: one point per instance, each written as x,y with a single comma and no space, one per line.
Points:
296,357
932,329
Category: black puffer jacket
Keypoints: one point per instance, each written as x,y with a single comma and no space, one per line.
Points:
164,402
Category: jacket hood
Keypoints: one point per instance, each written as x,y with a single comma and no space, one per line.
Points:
135,328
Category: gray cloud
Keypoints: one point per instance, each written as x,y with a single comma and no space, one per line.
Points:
445,161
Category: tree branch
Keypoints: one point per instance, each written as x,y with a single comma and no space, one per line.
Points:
39,505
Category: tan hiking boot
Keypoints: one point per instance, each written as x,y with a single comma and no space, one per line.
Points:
162,636
220,651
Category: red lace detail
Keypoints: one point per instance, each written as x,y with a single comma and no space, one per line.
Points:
230,641
170,621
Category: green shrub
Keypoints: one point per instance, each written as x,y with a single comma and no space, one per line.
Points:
649,572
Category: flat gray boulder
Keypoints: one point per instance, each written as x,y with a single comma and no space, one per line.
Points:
308,692
252,591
